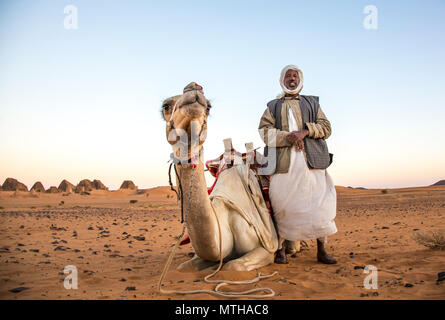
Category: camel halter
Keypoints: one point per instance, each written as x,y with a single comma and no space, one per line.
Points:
220,283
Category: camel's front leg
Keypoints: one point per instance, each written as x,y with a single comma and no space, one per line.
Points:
197,264
257,258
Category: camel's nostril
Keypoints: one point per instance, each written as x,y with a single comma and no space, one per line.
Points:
192,97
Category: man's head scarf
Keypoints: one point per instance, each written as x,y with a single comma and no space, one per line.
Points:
300,80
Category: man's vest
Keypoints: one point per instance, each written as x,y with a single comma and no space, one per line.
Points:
317,154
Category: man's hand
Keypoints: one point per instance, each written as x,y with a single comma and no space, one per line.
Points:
295,136
299,145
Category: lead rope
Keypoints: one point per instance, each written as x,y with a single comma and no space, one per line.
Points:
220,283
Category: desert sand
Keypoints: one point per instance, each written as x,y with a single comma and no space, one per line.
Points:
120,247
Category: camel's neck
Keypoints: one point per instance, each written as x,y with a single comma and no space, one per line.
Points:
199,214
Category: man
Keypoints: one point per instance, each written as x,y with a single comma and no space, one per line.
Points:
302,193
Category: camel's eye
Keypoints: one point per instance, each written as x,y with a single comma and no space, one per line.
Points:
209,106
166,107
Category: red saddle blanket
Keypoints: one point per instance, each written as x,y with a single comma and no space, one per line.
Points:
228,160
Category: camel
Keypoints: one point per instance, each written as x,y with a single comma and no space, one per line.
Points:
241,247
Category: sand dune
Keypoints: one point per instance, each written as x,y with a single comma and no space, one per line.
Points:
120,246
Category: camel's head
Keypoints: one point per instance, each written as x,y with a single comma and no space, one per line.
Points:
186,119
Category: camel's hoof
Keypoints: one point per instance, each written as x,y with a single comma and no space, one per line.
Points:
281,259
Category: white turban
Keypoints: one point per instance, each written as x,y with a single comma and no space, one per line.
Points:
300,80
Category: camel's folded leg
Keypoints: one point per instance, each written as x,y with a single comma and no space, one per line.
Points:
197,264
257,258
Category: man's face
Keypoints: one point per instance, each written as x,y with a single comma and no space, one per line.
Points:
291,79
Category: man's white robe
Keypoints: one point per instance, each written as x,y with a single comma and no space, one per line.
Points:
304,200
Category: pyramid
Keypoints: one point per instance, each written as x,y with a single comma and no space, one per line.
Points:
12,184
84,185
128,184
38,187
99,185
66,186
52,189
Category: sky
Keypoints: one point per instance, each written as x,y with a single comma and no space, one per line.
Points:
84,103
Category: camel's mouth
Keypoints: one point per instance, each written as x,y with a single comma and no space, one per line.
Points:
192,104
187,138
193,110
